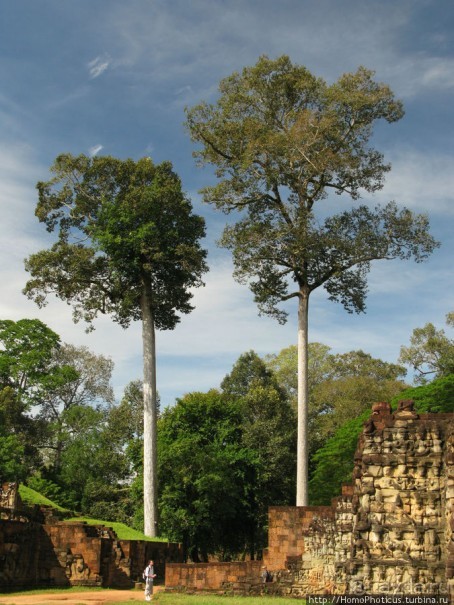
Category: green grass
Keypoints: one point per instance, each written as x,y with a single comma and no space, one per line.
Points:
39,591
166,598
185,599
123,531
30,497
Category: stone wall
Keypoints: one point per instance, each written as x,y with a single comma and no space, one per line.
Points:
48,552
238,577
391,531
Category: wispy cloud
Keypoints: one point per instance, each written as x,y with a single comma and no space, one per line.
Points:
95,150
98,66
421,181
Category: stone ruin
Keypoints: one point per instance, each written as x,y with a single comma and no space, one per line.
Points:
37,548
391,532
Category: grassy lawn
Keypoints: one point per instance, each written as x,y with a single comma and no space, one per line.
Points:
38,591
30,497
123,531
184,599
164,598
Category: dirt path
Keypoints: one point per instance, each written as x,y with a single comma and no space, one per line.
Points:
80,598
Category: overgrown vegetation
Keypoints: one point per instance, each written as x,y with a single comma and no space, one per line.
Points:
225,455
334,460
123,531
32,498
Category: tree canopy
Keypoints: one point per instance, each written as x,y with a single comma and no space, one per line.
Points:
269,432
128,245
431,352
334,460
120,223
281,140
26,356
203,469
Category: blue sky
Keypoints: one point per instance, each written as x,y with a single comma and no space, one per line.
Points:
113,77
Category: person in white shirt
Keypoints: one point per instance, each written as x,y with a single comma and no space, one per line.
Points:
149,575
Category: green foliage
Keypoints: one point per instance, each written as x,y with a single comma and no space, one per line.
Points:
334,461
224,459
45,487
92,464
25,357
128,245
437,396
268,427
341,386
119,223
84,381
248,370
357,380
12,454
431,352
285,365
32,497
281,140
18,434
203,470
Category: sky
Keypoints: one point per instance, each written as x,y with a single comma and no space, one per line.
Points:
108,77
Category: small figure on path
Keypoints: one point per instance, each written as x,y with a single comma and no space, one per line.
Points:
149,575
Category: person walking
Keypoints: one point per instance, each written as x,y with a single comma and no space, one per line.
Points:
149,576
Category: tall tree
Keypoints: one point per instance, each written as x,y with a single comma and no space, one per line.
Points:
340,386
85,381
285,368
128,246
204,472
281,140
268,432
431,352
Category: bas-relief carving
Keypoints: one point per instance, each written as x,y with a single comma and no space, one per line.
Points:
400,512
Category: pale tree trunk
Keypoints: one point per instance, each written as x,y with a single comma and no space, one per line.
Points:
150,479
302,463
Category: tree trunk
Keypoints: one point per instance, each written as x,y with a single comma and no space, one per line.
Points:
150,480
302,462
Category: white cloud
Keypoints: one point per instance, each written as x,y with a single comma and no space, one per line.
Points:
420,180
411,75
169,56
98,66
95,150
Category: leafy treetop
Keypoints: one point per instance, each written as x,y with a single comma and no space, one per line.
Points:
120,223
281,140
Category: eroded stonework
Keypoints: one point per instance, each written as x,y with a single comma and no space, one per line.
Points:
393,530
390,532
38,549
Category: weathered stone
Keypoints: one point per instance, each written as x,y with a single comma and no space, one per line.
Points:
394,529
34,552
